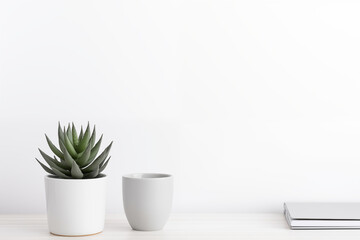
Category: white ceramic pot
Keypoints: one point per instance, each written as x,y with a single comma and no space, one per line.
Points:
75,207
147,199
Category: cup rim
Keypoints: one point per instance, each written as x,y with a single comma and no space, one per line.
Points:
147,176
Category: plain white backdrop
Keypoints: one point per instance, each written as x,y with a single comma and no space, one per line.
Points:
248,103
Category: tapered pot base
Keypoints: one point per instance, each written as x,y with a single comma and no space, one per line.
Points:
75,235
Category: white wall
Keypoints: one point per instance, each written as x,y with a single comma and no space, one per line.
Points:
247,103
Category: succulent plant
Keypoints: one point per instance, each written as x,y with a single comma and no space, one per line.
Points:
77,154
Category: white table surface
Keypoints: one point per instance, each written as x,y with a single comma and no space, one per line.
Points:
180,226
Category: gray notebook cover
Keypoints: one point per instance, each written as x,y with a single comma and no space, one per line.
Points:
323,211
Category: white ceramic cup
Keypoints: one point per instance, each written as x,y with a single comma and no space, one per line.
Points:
147,199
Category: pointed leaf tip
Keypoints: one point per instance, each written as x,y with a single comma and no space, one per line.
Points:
48,170
53,148
84,140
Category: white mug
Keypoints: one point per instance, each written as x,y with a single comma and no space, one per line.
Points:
147,199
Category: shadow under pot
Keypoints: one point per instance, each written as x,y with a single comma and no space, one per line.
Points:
75,207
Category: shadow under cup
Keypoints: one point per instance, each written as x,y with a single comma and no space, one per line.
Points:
147,199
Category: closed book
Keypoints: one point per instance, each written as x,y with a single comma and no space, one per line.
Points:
322,215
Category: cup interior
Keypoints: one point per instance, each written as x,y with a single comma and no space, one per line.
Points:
147,175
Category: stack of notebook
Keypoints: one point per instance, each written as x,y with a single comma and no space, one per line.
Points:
322,215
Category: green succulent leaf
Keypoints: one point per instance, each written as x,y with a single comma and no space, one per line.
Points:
62,146
68,160
52,162
81,134
103,166
45,167
61,161
84,141
70,147
83,159
60,174
74,135
76,171
69,134
95,150
93,137
101,158
92,174
53,148
60,134
47,158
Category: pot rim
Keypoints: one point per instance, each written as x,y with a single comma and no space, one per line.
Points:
147,176
54,178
